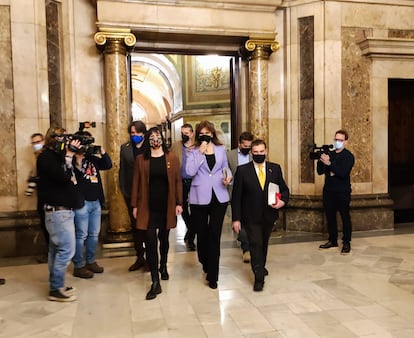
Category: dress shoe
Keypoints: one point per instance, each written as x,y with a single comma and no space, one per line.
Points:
154,291
258,285
95,268
139,263
246,257
346,249
212,285
164,273
328,245
266,273
82,272
2,281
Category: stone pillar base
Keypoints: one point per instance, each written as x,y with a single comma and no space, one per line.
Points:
368,212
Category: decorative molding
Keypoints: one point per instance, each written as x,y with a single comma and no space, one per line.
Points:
120,39
387,48
260,49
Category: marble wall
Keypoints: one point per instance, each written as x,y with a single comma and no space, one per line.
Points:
7,126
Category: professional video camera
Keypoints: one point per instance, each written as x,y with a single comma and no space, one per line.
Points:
86,140
316,152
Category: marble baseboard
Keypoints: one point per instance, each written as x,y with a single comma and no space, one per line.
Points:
368,212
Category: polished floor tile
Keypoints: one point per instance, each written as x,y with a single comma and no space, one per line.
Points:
308,293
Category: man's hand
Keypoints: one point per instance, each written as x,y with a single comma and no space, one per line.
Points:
325,159
236,225
279,204
134,212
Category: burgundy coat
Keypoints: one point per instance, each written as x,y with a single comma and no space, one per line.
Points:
140,190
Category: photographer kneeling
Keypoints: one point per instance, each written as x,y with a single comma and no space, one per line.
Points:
90,159
57,189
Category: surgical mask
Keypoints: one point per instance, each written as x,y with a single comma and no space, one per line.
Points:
137,139
339,144
206,138
37,147
244,151
258,158
185,138
155,142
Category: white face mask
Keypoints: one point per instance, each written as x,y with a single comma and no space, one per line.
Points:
339,144
37,147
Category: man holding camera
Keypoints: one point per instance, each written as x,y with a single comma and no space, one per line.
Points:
57,188
337,166
89,160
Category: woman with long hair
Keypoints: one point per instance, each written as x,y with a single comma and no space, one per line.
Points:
156,200
208,197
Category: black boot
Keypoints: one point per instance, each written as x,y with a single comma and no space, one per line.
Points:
163,267
155,287
164,272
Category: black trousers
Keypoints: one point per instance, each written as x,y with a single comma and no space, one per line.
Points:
151,243
208,222
190,234
258,235
333,203
138,236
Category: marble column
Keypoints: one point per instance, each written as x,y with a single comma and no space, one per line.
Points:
114,45
258,53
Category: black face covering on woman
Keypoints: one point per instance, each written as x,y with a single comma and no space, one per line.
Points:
185,138
206,138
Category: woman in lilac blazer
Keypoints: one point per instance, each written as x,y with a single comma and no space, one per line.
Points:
208,197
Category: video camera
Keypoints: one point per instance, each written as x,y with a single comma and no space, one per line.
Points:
316,152
85,138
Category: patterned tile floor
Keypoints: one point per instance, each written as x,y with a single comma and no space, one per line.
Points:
308,293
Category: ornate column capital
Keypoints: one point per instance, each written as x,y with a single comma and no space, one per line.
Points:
260,49
115,40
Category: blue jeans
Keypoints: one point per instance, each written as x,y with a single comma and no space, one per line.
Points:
87,228
61,228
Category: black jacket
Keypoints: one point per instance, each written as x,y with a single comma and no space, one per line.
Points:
249,201
93,191
55,185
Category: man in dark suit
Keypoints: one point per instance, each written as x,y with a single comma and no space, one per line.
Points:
250,205
129,151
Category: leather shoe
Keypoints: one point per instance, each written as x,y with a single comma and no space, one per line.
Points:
139,263
346,249
154,291
328,245
164,273
258,285
82,272
266,273
212,285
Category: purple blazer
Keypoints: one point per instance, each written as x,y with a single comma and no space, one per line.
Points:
205,180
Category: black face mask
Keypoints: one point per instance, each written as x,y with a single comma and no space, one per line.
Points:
203,138
185,138
259,158
244,151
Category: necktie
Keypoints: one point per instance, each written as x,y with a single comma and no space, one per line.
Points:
262,177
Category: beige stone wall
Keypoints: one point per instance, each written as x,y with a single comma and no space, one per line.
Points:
29,111
350,89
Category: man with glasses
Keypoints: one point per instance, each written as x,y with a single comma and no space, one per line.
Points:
337,167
